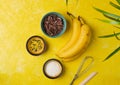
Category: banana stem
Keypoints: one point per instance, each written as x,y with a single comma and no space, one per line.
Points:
71,15
81,20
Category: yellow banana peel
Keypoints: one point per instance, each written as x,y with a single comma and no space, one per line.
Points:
78,43
75,35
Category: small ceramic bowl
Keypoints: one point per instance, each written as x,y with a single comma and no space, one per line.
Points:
36,45
53,68
48,20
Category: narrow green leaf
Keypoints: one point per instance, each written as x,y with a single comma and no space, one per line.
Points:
108,15
112,16
113,53
118,1
114,5
110,35
102,11
110,22
116,26
116,36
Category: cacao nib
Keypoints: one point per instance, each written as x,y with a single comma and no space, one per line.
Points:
53,25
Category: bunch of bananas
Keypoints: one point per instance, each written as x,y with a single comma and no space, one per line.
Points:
79,40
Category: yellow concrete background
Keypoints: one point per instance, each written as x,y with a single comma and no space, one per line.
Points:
20,19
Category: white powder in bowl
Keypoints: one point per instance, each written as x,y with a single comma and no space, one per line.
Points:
53,68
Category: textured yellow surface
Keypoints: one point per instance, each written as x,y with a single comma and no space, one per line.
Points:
20,19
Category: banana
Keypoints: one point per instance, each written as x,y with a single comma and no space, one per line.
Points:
74,57
75,35
79,44
69,59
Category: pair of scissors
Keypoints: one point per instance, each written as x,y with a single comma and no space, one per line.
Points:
80,72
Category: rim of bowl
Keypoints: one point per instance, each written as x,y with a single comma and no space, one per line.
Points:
64,24
49,60
41,39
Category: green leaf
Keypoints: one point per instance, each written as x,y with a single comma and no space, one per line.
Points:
113,53
118,1
116,36
114,5
110,35
108,15
102,11
117,27
112,16
110,22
